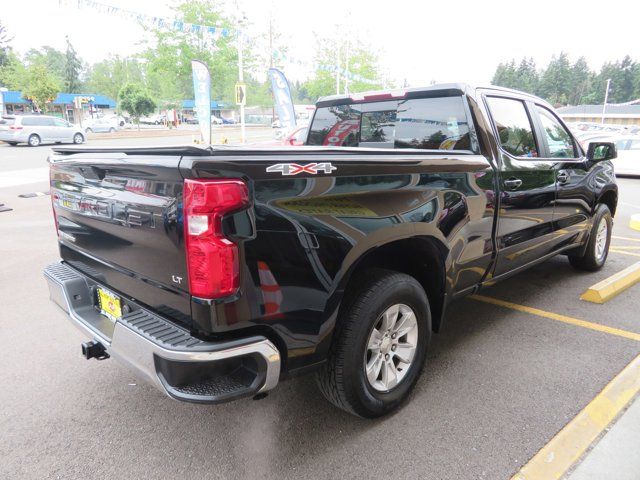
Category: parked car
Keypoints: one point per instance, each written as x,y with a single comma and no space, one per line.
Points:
100,125
228,121
153,119
215,120
628,161
37,129
220,271
294,138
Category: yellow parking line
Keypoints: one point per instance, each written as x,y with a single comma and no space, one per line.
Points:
614,285
560,318
635,221
625,247
630,239
570,443
624,252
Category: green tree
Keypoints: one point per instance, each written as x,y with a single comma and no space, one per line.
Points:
72,69
168,69
135,99
41,87
13,73
359,71
52,59
5,45
109,76
556,81
506,75
581,80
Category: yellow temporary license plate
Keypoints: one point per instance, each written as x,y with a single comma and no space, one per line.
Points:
109,304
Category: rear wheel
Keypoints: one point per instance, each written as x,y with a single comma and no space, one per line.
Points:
379,346
597,250
34,140
78,138
111,130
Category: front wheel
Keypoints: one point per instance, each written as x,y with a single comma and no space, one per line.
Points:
597,249
34,140
78,138
112,130
379,346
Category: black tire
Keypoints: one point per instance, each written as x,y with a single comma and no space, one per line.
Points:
34,140
88,130
591,260
78,138
112,130
342,380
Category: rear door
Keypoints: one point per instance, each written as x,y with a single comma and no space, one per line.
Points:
525,221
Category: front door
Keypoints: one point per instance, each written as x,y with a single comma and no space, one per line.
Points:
525,230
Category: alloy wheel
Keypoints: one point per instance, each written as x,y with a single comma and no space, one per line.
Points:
391,347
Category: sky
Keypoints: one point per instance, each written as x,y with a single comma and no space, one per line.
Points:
420,41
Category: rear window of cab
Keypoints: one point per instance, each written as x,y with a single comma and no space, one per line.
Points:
439,123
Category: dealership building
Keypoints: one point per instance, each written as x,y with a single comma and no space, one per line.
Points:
62,106
613,114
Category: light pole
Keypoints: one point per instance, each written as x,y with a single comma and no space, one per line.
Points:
606,97
2,90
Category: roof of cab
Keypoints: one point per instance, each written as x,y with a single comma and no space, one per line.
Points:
442,89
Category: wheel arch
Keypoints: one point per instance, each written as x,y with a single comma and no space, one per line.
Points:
422,257
609,197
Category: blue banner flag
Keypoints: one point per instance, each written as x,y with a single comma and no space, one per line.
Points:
202,93
282,98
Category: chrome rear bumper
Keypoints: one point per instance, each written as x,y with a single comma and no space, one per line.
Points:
184,367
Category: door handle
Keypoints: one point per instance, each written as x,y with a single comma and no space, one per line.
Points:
513,183
562,176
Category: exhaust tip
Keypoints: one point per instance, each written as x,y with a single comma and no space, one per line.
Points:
94,350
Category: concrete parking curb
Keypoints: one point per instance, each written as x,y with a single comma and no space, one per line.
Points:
570,443
608,288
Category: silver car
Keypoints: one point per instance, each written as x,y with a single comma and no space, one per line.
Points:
37,129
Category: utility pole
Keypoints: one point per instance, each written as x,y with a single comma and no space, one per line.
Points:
241,79
346,68
606,97
338,70
273,108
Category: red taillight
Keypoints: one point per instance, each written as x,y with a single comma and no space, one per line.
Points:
212,259
13,127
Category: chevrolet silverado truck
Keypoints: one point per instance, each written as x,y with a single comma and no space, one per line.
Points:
218,272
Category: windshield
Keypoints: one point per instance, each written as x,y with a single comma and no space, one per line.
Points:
425,123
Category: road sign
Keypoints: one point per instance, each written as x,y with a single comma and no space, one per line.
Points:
241,94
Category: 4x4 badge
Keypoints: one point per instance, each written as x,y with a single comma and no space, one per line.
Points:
294,168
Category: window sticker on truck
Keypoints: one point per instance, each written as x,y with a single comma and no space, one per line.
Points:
294,168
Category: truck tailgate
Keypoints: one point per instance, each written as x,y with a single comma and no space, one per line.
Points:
120,221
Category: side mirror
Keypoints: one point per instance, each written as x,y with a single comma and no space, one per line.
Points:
601,151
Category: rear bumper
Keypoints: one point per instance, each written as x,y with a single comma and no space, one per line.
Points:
184,367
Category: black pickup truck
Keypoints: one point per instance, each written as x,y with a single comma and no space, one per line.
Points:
217,272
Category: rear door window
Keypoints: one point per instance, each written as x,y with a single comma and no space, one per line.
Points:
513,125
7,121
439,123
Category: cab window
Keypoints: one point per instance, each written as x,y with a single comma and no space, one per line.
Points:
438,123
559,141
513,126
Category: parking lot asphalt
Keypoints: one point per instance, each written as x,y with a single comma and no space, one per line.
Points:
498,385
